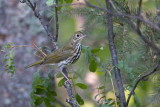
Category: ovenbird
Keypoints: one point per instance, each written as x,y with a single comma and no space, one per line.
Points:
65,55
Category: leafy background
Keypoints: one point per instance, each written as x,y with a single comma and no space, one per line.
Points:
91,83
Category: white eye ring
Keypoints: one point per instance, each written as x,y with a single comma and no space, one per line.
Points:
77,35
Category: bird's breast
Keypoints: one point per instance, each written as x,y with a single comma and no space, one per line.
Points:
73,58
76,54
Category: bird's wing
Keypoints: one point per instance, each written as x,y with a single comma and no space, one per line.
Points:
59,55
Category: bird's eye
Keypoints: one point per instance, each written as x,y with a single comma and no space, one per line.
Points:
77,35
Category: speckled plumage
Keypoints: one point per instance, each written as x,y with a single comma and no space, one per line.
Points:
65,55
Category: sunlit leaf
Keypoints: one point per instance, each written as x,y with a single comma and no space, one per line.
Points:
95,50
82,86
61,82
68,1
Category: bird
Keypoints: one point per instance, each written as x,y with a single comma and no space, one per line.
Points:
64,56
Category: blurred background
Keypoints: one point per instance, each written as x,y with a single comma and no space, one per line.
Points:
19,25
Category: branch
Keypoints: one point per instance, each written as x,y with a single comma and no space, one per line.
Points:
139,12
133,26
157,67
57,25
68,87
67,84
143,37
39,17
114,56
120,15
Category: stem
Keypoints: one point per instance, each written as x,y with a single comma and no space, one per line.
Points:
141,78
114,57
57,25
113,88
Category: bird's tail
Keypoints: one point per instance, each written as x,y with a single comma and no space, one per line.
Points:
34,64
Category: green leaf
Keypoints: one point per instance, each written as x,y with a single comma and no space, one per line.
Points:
38,101
11,54
68,1
59,8
36,79
39,91
61,82
82,86
59,75
79,99
101,87
95,50
8,45
93,66
53,93
60,2
47,103
50,96
109,99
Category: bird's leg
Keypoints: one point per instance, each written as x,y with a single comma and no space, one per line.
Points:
67,79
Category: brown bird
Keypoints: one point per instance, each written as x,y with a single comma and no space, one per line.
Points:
65,55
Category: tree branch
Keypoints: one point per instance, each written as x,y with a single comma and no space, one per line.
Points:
54,39
157,67
139,12
39,17
133,26
68,87
122,15
114,56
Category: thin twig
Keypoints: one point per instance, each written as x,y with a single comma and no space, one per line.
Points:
139,12
112,4
57,25
114,56
39,49
141,78
110,75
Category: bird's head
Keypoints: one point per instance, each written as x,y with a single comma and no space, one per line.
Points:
77,37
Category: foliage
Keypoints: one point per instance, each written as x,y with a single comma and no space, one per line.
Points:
42,91
134,55
9,58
